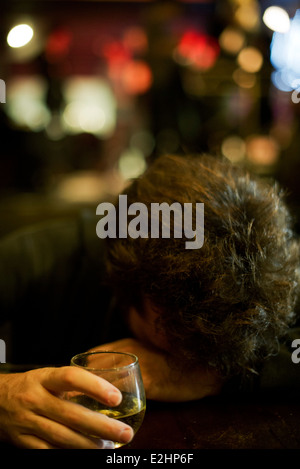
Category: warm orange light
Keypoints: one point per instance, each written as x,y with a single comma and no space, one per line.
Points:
250,59
136,77
247,15
232,40
135,40
262,150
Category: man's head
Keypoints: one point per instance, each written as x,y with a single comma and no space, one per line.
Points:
226,304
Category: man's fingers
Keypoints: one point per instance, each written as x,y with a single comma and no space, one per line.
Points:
33,442
52,434
86,421
76,418
69,378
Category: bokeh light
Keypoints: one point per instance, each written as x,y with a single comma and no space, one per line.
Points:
232,40
244,79
90,106
234,148
26,104
19,35
105,88
197,50
131,163
136,77
277,19
250,59
247,15
285,56
262,150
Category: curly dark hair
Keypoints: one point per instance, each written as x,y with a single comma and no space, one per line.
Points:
227,304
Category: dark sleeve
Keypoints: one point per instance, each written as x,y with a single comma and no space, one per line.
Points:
52,290
30,255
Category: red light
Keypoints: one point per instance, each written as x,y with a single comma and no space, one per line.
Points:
58,45
115,52
198,50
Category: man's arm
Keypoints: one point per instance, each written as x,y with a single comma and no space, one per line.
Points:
163,382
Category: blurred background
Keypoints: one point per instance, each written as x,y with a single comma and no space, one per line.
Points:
92,91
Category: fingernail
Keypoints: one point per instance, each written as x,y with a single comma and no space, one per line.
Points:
107,444
126,435
114,397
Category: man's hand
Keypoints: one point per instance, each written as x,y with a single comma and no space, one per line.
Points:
33,413
162,382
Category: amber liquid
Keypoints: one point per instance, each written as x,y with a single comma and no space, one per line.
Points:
131,410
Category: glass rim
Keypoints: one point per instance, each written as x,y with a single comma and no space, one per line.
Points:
95,352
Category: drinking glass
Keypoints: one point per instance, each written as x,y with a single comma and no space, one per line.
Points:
123,371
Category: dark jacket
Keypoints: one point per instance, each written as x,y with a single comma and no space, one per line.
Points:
53,292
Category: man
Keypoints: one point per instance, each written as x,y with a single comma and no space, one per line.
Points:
198,319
